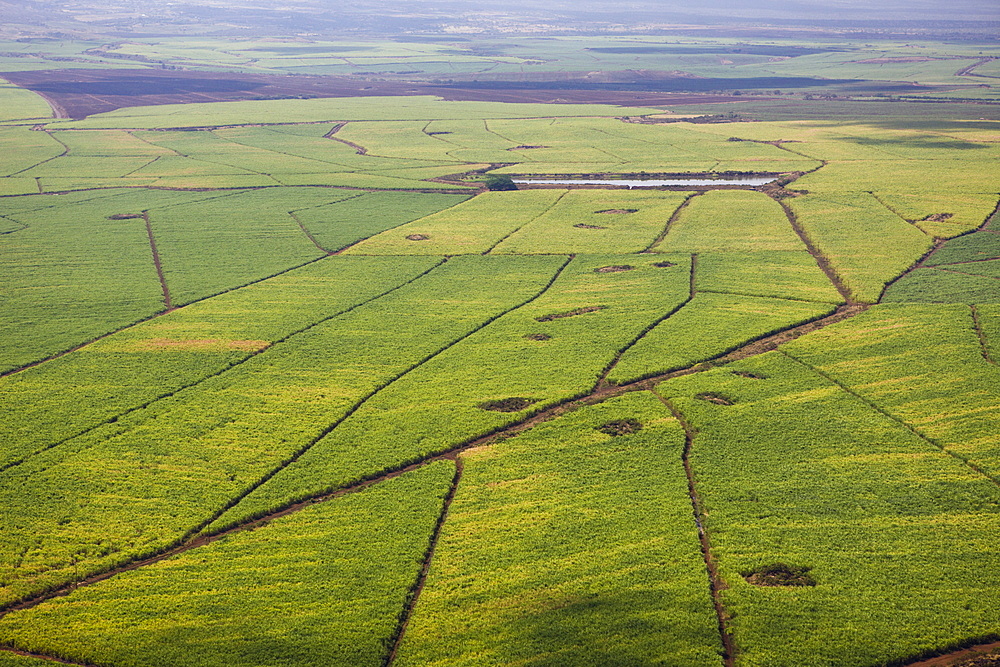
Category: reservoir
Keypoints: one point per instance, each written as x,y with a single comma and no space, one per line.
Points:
650,182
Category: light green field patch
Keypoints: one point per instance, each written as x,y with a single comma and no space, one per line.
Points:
318,588
942,215
731,221
783,275
797,471
707,327
592,221
547,351
867,244
474,226
624,583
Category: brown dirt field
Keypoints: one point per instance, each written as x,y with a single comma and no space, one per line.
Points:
83,92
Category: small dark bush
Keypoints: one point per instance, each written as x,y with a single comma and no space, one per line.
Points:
620,427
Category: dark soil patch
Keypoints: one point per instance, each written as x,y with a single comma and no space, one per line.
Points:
583,226
513,404
620,427
417,237
525,148
663,265
780,574
538,336
125,216
748,374
569,313
612,211
981,661
614,269
434,134
712,397
938,217
83,92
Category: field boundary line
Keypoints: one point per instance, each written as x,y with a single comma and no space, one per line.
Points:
75,348
672,220
885,413
197,537
824,263
603,379
938,244
961,273
962,651
547,209
167,305
337,127
418,586
6,648
371,394
38,164
308,234
235,364
977,325
899,215
716,584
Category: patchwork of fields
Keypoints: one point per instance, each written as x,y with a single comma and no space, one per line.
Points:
282,383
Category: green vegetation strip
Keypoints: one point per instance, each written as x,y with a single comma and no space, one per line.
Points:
133,368
135,486
895,533
568,546
322,587
438,406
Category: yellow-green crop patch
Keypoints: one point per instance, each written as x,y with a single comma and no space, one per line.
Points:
731,221
322,587
624,583
893,532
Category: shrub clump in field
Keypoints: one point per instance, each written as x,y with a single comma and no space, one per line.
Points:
538,336
614,269
124,216
663,265
512,404
612,211
499,183
417,237
583,226
938,217
748,374
569,313
620,427
712,397
780,574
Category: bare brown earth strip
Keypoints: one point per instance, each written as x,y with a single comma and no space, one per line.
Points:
254,352
360,150
308,233
156,261
715,583
981,335
959,657
820,258
967,71
78,93
418,586
42,656
673,218
765,344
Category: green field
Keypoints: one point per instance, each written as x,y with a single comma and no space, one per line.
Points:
284,383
